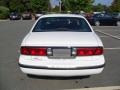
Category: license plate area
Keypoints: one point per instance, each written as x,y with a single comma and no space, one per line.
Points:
61,53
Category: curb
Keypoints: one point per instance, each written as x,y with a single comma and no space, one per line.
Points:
99,88
4,20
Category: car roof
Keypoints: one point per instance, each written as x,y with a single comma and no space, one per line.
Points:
62,15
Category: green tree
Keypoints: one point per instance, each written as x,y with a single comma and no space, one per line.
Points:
23,5
4,12
26,4
39,5
99,7
55,9
16,5
78,5
2,3
115,7
5,3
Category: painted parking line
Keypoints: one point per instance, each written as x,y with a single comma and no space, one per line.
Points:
108,34
118,35
112,48
103,36
109,29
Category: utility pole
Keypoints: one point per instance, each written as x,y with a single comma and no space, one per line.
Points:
60,6
49,6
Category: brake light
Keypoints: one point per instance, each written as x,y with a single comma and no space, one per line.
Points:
89,51
35,51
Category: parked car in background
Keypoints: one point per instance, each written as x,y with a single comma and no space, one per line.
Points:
39,14
27,16
61,45
14,16
103,19
116,15
88,15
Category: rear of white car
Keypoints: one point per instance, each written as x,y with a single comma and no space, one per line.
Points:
58,51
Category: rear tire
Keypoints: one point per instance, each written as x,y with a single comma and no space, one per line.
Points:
97,23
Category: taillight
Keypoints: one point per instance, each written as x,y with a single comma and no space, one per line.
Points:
89,51
35,51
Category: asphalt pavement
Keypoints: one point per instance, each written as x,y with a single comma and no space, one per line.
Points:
11,78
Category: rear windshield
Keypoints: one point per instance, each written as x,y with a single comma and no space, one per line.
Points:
50,24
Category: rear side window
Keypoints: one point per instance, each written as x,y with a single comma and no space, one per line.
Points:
50,24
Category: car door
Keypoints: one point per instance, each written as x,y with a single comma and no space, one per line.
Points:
101,18
107,19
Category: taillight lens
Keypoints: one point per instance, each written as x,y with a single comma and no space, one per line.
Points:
89,51
35,51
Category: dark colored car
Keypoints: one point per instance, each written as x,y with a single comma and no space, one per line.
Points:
27,16
103,19
116,15
14,16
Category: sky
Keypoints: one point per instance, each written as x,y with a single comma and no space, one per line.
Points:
104,2
54,2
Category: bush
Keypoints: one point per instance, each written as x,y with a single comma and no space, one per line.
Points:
4,12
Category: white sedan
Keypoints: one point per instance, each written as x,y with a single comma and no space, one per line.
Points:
61,45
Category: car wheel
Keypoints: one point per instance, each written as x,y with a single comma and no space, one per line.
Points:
97,23
10,19
118,23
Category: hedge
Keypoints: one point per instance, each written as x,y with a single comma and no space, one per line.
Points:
4,12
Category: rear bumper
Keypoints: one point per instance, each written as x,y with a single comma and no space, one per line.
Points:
49,68
46,71
79,66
